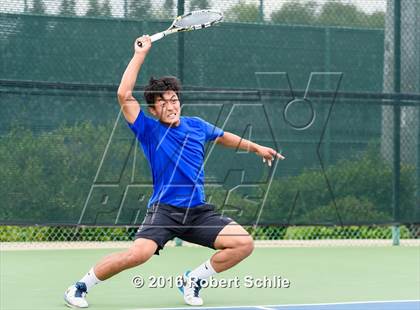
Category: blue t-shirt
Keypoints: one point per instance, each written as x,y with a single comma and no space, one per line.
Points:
176,157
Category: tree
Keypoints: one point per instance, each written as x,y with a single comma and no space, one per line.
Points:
296,13
199,4
68,7
38,7
167,10
94,8
243,12
106,9
331,14
339,14
168,6
139,9
376,20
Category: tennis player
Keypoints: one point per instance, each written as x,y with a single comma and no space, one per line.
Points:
174,147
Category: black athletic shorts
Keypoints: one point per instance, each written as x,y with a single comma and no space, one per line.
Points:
199,225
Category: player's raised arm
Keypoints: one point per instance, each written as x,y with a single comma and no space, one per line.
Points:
234,141
129,105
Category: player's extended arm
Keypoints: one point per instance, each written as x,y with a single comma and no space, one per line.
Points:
231,140
129,105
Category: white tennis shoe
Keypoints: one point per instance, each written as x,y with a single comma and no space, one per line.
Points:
75,296
190,289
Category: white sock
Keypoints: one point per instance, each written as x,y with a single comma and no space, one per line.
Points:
90,279
203,271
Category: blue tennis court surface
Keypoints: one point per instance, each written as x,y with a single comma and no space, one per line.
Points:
380,305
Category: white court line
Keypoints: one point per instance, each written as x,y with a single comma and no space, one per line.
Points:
288,305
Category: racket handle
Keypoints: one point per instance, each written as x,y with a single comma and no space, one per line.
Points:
157,36
153,38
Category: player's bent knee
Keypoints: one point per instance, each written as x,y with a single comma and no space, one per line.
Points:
244,246
247,246
140,252
137,257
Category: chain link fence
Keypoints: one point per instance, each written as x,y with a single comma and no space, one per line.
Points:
55,236
353,13
61,60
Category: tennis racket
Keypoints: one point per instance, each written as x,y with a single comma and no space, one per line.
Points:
191,21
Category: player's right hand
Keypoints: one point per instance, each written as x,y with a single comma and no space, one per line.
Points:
142,44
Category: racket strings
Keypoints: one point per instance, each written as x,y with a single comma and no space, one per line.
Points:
198,18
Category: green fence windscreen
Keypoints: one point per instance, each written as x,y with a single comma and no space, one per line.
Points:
82,50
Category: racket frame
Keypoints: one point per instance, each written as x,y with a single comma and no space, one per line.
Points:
174,29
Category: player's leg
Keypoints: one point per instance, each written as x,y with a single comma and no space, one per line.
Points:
141,250
212,230
234,243
138,254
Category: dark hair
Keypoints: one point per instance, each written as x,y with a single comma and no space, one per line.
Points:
157,87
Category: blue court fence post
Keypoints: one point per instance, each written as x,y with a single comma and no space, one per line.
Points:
395,235
178,242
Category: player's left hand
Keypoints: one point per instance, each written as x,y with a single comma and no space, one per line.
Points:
268,154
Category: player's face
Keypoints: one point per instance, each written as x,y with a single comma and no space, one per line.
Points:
167,108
